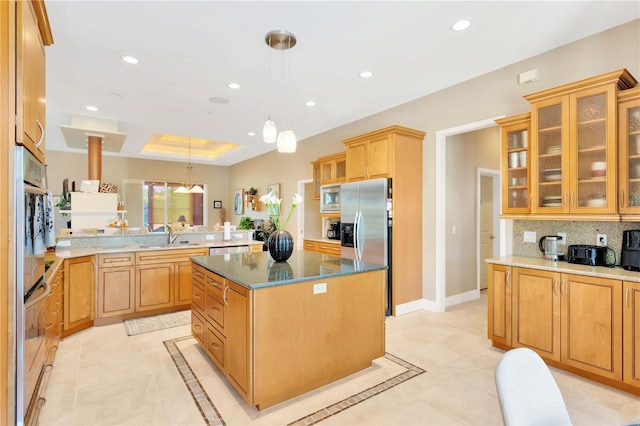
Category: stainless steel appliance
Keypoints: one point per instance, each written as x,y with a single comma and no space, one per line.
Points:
32,228
630,250
366,224
548,245
333,233
213,251
330,196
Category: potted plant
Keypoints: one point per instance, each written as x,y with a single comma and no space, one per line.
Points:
252,191
245,223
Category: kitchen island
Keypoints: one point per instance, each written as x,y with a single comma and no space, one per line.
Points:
278,330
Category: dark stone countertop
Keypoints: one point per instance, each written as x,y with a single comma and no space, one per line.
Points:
257,270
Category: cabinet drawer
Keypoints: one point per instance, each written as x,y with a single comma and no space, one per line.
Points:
198,273
215,281
214,309
197,299
167,256
119,259
309,245
333,249
198,328
215,347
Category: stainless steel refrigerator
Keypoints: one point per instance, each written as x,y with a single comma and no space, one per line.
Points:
366,224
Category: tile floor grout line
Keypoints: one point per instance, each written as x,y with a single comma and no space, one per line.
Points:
190,380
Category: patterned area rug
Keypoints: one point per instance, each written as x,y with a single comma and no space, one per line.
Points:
156,322
216,399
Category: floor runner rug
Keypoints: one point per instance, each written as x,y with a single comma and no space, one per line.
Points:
220,404
156,322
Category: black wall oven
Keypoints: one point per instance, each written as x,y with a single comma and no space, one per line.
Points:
33,229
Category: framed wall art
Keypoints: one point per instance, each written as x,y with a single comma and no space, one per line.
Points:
217,204
275,187
238,205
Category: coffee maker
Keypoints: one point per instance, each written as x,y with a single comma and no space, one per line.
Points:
333,233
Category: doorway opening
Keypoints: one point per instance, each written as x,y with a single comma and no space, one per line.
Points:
488,221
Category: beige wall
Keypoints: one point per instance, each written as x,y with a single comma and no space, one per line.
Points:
494,94
465,154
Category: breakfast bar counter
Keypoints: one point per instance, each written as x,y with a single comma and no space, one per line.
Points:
278,330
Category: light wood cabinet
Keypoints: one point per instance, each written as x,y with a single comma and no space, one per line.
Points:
536,311
631,334
33,33
499,304
592,325
116,284
79,294
574,146
574,322
320,247
514,161
154,287
54,319
315,172
333,168
238,343
629,153
370,157
183,283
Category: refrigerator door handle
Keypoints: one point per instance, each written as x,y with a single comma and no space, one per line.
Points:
358,232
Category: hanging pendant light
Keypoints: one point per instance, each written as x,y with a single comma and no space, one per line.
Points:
188,186
286,140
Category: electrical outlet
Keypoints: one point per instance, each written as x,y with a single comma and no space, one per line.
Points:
320,288
564,237
529,236
601,239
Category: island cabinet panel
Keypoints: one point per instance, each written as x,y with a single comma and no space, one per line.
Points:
238,333
215,347
299,336
198,327
154,287
631,337
536,311
499,304
592,325
79,294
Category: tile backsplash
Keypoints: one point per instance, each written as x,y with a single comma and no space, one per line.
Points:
577,233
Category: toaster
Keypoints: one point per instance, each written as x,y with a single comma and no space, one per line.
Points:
630,259
587,255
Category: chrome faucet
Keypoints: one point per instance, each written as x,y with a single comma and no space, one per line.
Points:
172,237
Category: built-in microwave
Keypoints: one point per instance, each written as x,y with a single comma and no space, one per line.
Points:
330,198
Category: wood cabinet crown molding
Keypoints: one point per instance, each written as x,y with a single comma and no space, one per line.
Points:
43,21
405,131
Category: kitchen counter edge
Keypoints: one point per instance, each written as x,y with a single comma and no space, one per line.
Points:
615,273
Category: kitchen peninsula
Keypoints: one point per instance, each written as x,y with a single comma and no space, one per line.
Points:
278,330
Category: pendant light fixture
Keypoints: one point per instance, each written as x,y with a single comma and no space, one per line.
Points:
189,186
286,140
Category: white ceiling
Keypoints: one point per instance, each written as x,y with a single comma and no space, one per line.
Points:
189,51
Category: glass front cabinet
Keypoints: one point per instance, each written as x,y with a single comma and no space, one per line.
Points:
629,145
574,146
514,163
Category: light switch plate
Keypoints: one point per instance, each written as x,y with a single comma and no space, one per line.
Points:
564,237
529,236
210,237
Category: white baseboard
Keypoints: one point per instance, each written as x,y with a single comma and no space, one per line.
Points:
430,305
462,297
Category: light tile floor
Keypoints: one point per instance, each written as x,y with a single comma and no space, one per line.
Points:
101,376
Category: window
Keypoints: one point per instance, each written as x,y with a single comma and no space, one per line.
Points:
154,204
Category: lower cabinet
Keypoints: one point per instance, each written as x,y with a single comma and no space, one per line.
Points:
116,291
54,320
79,294
154,287
224,321
320,247
580,323
631,334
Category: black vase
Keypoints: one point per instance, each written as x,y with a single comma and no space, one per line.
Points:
280,245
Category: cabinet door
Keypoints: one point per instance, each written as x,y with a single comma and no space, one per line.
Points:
317,179
183,283
631,330
536,311
378,161
593,150
515,160
340,169
238,337
592,325
629,150
154,286
550,155
116,291
356,155
499,304
31,81
79,292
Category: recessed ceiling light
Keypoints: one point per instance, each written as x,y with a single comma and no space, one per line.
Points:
366,74
251,133
91,108
129,59
461,25
114,95
233,86
310,103
218,100
206,111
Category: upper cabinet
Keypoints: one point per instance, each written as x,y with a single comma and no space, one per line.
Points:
629,151
515,161
32,35
373,155
333,168
571,157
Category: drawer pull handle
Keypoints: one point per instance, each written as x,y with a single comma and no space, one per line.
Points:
197,326
214,346
41,134
626,297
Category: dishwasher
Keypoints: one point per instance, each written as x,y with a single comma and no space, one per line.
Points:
213,251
